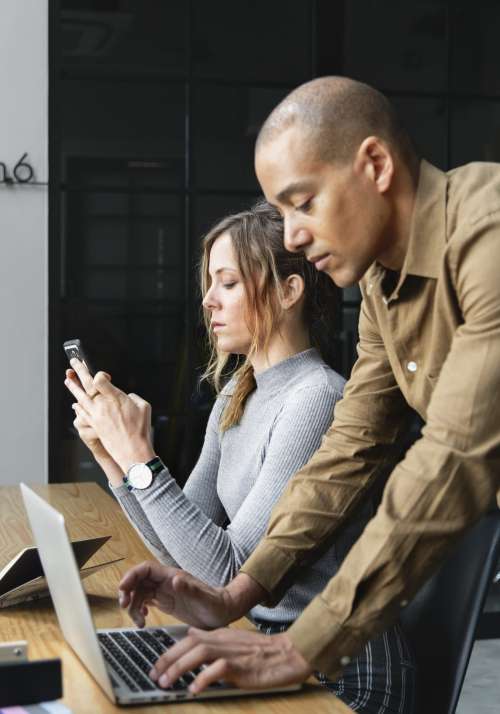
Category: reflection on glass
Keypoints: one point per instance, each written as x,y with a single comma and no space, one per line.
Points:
208,210
253,40
476,50
426,122
475,132
349,338
396,45
124,34
130,130
224,137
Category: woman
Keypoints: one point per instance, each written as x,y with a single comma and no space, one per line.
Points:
267,306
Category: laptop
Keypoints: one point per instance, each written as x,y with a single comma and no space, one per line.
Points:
119,659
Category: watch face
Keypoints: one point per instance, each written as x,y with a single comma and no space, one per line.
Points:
140,476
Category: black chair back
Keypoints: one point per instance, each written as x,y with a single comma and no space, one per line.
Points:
441,620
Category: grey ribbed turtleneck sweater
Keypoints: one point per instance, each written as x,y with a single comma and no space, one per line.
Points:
240,475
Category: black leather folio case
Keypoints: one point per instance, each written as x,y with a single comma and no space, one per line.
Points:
30,682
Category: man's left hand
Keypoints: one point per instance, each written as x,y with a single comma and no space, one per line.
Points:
249,660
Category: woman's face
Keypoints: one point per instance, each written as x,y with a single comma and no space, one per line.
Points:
226,299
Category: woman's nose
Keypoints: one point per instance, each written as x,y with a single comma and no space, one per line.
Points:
208,301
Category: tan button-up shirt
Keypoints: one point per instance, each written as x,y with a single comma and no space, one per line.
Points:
429,340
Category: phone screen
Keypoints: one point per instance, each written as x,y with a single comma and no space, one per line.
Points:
74,349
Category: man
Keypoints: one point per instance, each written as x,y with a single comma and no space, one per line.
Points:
426,247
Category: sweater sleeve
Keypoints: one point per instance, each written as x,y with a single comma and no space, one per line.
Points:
200,490
190,532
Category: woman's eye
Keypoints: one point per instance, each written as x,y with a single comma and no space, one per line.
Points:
229,285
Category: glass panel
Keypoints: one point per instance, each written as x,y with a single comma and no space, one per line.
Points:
476,50
224,136
349,338
475,132
426,122
103,285
253,39
396,45
133,133
134,35
124,246
208,210
155,338
351,294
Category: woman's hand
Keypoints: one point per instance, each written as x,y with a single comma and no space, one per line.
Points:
121,422
89,436
85,431
175,592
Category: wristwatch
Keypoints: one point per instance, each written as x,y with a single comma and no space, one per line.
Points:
141,475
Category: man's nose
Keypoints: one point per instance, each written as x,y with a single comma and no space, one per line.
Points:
295,235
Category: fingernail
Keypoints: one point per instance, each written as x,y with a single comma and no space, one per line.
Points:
153,675
163,681
193,688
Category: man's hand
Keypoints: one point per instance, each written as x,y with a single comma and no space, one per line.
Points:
249,660
173,591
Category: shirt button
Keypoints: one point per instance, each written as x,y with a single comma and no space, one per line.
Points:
411,366
403,603
384,300
344,661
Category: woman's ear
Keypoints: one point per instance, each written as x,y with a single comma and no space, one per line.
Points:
293,291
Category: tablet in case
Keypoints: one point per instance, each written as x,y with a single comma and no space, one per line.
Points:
22,579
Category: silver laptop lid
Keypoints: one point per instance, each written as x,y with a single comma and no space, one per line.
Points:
68,596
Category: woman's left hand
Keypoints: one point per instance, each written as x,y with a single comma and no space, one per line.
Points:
121,421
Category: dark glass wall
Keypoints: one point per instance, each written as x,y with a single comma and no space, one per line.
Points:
154,113
155,107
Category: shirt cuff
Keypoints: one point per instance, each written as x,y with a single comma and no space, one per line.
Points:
268,565
322,640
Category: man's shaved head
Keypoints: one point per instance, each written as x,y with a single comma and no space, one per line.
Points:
337,114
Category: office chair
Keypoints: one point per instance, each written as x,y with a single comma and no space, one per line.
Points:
442,619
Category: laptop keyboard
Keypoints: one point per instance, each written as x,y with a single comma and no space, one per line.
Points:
132,654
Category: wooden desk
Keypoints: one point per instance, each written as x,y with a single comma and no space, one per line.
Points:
90,512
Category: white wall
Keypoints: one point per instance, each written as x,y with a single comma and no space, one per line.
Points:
23,243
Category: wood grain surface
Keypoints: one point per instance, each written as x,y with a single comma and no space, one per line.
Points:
90,512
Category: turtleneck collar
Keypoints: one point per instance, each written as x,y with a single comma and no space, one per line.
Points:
275,377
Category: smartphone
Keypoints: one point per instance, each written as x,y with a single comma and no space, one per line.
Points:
73,348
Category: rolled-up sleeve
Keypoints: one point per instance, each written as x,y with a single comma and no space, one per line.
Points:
445,482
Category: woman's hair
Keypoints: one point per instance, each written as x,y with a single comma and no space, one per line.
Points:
257,240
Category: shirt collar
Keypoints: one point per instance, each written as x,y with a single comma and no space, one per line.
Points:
427,231
428,227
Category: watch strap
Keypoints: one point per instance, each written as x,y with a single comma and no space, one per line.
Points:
155,465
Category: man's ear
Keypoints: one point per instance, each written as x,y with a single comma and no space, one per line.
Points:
374,159
293,290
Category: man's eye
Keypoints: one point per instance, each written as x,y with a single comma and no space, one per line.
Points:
304,207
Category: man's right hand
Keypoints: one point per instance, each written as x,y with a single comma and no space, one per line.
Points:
180,594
